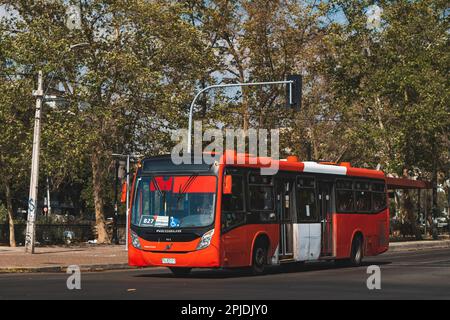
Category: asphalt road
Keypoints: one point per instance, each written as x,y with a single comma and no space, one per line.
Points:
406,275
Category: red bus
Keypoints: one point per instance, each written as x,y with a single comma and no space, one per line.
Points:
228,215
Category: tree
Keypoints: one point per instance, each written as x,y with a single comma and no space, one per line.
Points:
390,83
15,118
128,82
265,41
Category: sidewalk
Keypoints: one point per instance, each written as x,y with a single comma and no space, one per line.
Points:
56,259
418,245
101,258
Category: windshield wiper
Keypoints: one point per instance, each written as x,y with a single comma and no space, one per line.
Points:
186,186
155,183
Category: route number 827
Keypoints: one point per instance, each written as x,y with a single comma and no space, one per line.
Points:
246,310
148,221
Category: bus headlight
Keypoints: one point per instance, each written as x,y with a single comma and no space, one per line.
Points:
135,240
205,241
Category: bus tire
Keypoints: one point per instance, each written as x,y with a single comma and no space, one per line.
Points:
259,259
357,253
180,272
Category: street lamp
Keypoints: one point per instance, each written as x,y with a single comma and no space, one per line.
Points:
34,181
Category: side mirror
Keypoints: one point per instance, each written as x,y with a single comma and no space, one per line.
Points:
228,184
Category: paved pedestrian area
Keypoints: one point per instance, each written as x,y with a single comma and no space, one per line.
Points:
53,257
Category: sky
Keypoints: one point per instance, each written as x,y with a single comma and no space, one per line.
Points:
2,11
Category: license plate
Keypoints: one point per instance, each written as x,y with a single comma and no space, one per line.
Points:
169,261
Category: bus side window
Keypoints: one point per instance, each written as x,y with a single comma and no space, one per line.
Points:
233,214
261,198
307,209
234,201
378,197
363,199
344,196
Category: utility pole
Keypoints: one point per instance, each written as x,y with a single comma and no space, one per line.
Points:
127,202
116,204
32,200
49,206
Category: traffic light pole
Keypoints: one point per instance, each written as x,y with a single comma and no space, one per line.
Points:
217,86
128,157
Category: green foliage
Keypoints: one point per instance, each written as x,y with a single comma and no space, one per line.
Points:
123,90
371,97
391,83
3,213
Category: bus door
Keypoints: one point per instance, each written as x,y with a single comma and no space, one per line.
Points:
234,217
285,210
326,216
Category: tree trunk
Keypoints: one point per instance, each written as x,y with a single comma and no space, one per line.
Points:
9,207
408,206
434,182
102,234
410,214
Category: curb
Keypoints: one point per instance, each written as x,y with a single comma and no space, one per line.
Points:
393,247
63,269
418,245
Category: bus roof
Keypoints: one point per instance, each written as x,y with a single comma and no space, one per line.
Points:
290,164
293,164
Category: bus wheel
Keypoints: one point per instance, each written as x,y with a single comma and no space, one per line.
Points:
259,258
357,251
179,272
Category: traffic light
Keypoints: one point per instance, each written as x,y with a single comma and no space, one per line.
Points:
294,92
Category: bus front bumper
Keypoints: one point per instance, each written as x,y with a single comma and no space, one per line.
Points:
205,258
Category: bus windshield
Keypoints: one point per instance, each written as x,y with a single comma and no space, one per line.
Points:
174,201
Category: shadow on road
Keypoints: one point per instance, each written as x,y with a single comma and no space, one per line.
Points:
241,273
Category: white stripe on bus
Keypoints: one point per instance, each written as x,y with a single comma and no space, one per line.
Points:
323,168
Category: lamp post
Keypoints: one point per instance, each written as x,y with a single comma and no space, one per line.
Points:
34,181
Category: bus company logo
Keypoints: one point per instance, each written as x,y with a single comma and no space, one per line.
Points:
169,231
216,141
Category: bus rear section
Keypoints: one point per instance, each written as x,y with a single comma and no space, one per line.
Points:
306,212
